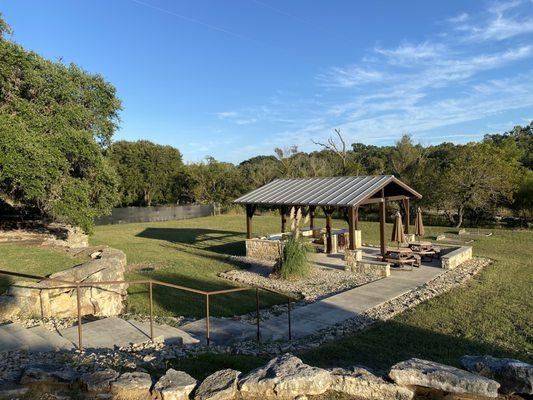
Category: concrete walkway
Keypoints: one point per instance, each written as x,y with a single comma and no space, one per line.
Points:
309,319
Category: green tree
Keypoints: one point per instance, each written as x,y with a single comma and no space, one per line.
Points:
215,182
523,198
479,177
149,173
55,122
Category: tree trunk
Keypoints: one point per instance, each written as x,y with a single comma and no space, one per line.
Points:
460,213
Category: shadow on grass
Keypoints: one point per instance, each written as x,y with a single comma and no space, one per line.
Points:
387,343
377,348
217,241
177,302
5,282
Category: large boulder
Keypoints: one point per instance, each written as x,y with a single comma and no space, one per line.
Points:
222,385
285,377
50,299
43,377
416,372
174,385
363,384
132,385
513,375
99,381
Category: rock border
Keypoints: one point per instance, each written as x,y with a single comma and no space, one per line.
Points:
283,377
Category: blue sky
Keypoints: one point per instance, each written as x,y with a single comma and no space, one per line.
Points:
234,79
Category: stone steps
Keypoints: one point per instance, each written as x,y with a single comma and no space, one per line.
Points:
114,331
103,333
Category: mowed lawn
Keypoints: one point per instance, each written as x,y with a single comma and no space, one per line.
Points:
32,260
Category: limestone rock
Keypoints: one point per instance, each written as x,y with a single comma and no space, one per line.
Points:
513,375
285,377
222,385
45,375
99,381
132,385
174,385
47,299
363,384
416,372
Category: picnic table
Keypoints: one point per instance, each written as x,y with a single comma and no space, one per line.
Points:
425,249
402,257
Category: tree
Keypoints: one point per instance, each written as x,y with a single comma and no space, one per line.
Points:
148,172
215,182
55,122
338,148
523,198
407,160
479,176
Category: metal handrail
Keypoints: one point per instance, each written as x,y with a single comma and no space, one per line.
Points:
151,282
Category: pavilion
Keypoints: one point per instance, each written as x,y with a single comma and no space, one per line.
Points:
346,193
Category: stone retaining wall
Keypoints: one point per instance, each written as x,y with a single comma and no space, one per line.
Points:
48,299
453,257
264,249
286,377
52,234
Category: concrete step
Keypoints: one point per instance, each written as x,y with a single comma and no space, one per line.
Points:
30,341
8,341
114,331
171,334
54,338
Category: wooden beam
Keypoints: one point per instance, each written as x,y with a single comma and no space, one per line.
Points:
352,220
382,216
283,213
312,216
375,200
328,211
250,209
407,215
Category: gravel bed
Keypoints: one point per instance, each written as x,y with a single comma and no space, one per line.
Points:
322,282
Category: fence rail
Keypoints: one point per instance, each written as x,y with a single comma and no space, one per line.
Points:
151,282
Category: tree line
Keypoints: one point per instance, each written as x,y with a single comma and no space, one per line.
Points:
476,180
58,158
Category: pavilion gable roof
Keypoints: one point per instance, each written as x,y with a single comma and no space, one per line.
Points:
337,191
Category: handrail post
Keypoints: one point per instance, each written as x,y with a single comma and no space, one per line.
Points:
151,312
289,315
257,306
78,302
207,318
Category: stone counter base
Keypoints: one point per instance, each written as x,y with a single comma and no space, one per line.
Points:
264,249
355,263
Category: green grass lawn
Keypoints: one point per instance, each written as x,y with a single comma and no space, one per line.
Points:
40,261
492,314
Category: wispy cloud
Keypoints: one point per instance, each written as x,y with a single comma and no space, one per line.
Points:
506,20
349,76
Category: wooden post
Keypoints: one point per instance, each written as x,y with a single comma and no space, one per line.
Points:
352,216
283,213
407,216
329,245
250,208
312,217
382,216
356,218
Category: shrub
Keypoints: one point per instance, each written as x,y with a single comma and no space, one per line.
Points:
295,263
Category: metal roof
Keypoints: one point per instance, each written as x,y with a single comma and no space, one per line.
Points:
337,191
